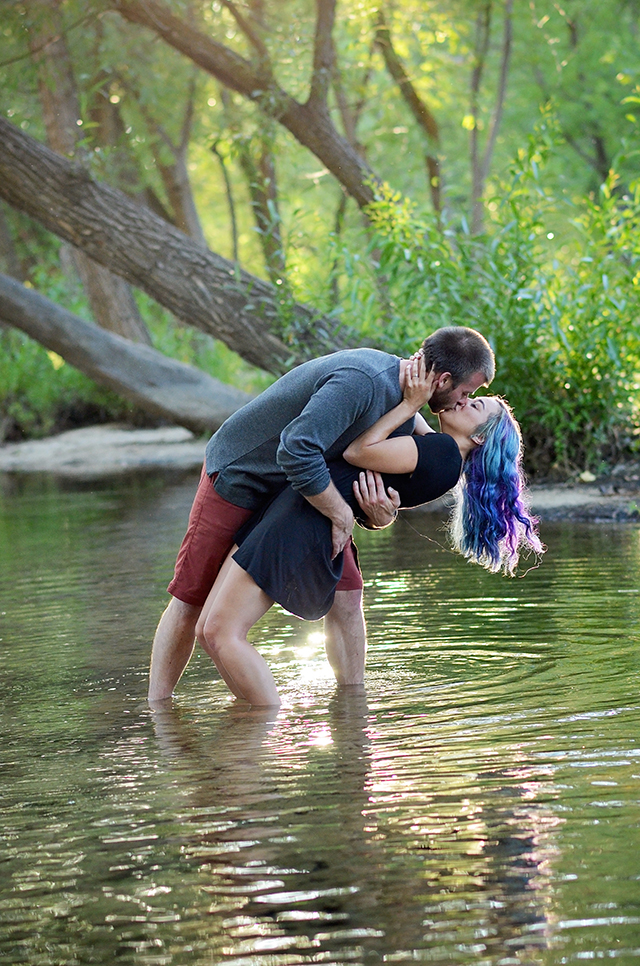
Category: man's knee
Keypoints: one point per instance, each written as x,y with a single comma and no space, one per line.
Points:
347,604
182,613
178,619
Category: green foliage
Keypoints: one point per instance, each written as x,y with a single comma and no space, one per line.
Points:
553,282
564,320
40,394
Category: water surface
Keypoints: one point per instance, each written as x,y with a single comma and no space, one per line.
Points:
478,802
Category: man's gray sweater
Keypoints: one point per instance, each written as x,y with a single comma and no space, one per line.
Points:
307,417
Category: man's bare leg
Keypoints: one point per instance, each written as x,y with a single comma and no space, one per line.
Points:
346,637
173,645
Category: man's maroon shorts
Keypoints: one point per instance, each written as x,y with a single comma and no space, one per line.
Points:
213,523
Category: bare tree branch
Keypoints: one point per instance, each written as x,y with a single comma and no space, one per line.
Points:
253,38
481,49
351,115
110,131
414,102
261,180
480,168
187,121
323,53
175,176
230,201
507,41
309,123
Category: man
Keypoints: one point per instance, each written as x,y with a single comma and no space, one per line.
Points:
286,435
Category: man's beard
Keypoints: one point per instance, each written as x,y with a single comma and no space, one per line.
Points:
441,399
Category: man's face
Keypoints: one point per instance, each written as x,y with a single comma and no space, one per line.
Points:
446,396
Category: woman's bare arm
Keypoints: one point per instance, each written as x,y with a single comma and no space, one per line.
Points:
373,450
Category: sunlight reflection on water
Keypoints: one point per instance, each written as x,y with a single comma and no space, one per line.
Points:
478,803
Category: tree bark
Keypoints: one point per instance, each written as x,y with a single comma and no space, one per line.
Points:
309,123
197,285
9,260
416,105
480,166
159,385
110,297
263,192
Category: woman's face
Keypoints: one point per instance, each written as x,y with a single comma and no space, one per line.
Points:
467,420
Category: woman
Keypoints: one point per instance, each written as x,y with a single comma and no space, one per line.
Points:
284,552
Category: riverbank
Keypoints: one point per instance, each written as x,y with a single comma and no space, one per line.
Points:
100,452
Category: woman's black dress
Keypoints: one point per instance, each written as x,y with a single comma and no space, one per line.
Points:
286,547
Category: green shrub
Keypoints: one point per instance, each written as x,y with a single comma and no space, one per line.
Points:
554,284
563,315
40,394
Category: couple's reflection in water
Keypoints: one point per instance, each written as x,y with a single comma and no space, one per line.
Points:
303,848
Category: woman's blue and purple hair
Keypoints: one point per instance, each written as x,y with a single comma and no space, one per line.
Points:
491,523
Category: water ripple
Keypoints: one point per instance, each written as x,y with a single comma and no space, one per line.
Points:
476,804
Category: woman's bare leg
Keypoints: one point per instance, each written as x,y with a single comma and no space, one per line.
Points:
234,605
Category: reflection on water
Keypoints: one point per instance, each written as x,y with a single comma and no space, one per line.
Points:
477,802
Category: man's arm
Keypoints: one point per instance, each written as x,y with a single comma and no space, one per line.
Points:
336,405
332,505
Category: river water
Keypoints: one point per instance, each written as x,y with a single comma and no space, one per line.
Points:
477,803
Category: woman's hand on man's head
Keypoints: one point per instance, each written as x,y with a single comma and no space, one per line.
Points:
418,383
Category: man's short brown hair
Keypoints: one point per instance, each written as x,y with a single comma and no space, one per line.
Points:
460,351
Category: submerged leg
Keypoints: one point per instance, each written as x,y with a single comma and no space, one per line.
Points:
172,647
346,637
234,605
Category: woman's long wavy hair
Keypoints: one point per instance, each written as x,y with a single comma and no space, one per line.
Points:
491,523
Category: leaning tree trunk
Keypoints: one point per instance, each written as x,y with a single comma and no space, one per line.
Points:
198,286
159,385
110,297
